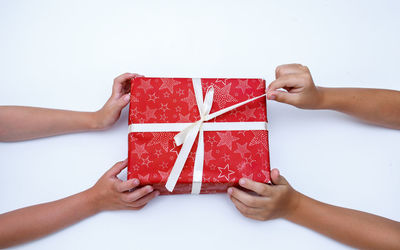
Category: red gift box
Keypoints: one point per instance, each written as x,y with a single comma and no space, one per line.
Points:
161,107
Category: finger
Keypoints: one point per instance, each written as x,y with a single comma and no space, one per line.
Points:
144,200
286,69
137,194
243,209
247,199
286,81
137,75
122,84
124,77
117,168
277,178
124,100
258,187
283,97
134,208
127,185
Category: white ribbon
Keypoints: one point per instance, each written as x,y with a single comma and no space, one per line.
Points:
187,136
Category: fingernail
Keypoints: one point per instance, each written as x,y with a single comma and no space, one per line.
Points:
242,182
157,193
272,97
230,190
127,97
136,181
149,188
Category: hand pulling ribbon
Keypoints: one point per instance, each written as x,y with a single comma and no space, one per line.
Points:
187,136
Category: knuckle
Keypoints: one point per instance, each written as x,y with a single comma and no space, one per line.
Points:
251,202
264,189
245,210
125,199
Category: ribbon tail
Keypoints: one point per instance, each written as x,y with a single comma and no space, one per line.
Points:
198,164
182,157
223,111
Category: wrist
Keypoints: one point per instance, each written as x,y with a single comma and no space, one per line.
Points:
93,200
322,97
294,205
96,122
326,100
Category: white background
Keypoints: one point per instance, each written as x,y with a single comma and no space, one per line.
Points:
65,54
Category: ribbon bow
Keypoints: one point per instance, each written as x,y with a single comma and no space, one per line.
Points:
188,135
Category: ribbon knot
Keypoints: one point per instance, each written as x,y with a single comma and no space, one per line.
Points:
187,136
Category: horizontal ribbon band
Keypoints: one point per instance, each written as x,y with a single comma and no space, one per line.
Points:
207,126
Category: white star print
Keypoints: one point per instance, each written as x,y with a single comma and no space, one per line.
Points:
249,112
158,153
211,140
190,99
145,85
144,178
222,96
184,118
226,157
226,138
150,113
163,117
260,136
164,165
249,160
134,112
140,150
135,167
261,85
168,83
181,92
153,97
208,157
160,138
267,176
260,152
242,85
242,149
146,161
250,176
225,172
164,175
164,107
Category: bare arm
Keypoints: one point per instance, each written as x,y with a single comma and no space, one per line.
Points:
351,227
109,193
22,123
280,200
377,106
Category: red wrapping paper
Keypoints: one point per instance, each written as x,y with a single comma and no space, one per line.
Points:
228,155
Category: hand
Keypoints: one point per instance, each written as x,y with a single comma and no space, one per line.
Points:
110,112
111,193
270,202
300,88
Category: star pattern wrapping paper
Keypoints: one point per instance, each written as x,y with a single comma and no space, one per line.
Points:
228,155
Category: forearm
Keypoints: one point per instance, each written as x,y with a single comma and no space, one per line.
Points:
21,123
351,227
377,106
33,222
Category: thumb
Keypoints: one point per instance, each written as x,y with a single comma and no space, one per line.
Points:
277,178
124,100
281,96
